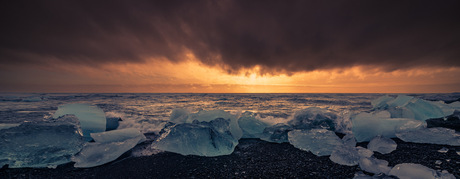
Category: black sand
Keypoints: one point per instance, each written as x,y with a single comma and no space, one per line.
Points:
252,158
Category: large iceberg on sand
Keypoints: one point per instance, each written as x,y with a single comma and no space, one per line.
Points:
368,125
107,147
211,138
92,118
382,145
320,142
411,170
251,126
436,135
40,144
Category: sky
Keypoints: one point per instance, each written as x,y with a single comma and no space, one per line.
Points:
230,46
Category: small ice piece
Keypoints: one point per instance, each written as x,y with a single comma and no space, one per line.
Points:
438,162
314,118
374,165
436,135
277,133
198,138
251,127
368,125
320,142
412,170
363,152
443,150
8,125
382,145
40,144
114,144
345,155
349,140
92,118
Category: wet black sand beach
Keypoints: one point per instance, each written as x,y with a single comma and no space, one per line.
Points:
252,158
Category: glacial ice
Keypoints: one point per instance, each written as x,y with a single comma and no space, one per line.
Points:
411,170
374,165
277,133
381,102
314,118
108,146
211,138
179,115
349,140
92,118
345,155
382,145
40,144
436,135
320,142
368,125
251,126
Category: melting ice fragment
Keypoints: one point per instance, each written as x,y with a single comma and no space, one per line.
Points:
108,146
382,145
320,142
40,144
349,140
277,133
251,127
92,119
374,165
443,150
412,170
211,138
346,155
368,125
436,135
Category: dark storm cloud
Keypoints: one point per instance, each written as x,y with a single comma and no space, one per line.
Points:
277,35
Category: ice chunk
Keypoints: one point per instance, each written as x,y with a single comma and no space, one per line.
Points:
40,144
374,165
211,138
368,125
436,135
363,152
320,142
117,135
382,145
206,116
401,100
108,147
112,123
92,118
349,140
412,170
314,118
381,102
277,133
345,155
179,115
8,125
251,126
443,150
424,110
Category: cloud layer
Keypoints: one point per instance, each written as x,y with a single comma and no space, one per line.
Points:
277,36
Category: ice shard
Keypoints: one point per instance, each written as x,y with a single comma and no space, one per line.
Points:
374,165
412,170
320,142
382,145
40,144
107,147
251,127
92,118
211,138
436,135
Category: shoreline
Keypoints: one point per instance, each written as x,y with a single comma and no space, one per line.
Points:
252,158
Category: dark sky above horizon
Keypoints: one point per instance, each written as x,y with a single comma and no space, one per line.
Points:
268,38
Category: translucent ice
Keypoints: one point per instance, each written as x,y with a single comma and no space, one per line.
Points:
320,142
381,102
382,145
40,144
368,125
277,133
374,165
400,101
345,156
92,119
314,118
436,135
206,116
251,126
179,115
108,147
211,138
411,170
349,140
